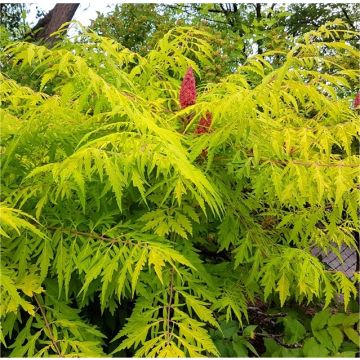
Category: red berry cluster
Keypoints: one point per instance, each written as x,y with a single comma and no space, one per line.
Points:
204,124
188,89
188,97
357,101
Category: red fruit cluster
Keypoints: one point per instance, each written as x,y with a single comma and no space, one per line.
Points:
204,124
188,97
188,89
357,101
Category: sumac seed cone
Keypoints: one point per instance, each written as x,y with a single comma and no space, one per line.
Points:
204,124
188,89
357,101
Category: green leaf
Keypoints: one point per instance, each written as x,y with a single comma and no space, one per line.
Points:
283,288
158,261
312,348
45,258
324,338
350,319
249,331
294,330
337,337
240,349
228,231
320,320
140,264
200,309
229,329
336,319
352,335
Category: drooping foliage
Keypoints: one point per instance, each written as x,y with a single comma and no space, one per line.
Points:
107,198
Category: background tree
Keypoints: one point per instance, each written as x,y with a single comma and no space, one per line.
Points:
135,26
13,20
52,22
306,17
241,29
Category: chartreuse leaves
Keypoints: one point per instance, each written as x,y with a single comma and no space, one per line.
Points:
20,284
16,291
118,261
174,332
16,220
303,279
106,202
59,330
164,222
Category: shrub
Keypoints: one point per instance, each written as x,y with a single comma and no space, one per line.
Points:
106,199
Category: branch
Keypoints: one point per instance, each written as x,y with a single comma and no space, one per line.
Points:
348,18
258,311
176,7
258,11
309,164
171,286
51,335
215,11
276,338
216,21
297,162
95,236
226,13
254,5
271,8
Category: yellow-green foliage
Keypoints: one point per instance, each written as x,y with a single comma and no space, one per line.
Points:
116,196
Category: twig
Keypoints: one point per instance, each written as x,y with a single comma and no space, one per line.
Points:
270,12
82,233
296,162
314,164
348,18
170,306
276,338
94,236
51,335
266,314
